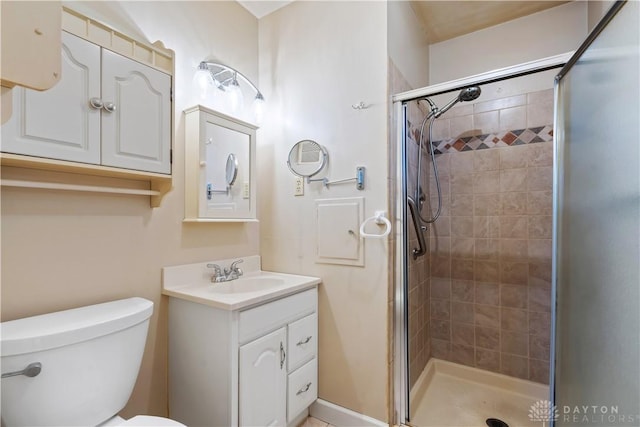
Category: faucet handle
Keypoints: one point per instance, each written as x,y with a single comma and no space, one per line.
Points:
234,270
234,264
216,269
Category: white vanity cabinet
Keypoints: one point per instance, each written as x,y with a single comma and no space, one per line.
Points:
256,366
106,110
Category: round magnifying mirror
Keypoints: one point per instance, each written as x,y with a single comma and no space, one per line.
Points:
307,158
232,169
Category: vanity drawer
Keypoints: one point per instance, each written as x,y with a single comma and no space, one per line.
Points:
260,320
302,338
302,389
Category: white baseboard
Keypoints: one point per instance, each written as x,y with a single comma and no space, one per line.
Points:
341,417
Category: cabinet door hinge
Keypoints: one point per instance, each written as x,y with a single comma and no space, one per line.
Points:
171,94
171,156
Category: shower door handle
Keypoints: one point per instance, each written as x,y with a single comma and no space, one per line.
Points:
422,248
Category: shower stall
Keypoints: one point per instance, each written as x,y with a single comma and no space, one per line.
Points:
476,176
476,173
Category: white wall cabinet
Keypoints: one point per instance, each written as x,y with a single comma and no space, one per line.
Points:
253,367
106,110
30,49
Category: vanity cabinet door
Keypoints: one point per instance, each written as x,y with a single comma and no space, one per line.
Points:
263,381
59,123
136,119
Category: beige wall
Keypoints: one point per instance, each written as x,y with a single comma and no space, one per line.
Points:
316,60
62,250
408,43
596,10
551,32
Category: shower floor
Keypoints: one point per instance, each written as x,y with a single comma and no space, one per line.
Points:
448,395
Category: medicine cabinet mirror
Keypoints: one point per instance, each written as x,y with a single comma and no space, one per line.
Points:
219,167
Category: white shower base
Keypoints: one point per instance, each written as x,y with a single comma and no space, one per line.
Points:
448,395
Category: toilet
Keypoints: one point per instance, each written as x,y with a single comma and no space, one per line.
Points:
75,367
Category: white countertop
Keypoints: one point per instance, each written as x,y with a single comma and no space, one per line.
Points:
192,282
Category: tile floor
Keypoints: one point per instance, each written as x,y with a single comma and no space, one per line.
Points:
314,422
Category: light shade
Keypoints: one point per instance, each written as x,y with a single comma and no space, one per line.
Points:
203,81
258,108
212,75
236,98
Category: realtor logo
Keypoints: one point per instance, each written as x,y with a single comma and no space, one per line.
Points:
543,411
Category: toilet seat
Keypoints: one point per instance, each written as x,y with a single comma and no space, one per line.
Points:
149,421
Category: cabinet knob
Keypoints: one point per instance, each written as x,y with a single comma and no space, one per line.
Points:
96,103
109,107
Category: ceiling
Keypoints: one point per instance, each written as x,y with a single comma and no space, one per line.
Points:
444,20
264,7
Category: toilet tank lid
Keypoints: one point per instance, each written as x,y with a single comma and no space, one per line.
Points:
67,327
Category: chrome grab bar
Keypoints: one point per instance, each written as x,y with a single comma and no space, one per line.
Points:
422,248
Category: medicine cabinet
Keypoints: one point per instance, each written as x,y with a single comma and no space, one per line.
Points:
220,179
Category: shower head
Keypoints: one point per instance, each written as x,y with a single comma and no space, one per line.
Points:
467,94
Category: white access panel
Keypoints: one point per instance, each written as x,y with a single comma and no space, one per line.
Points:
137,133
59,123
337,231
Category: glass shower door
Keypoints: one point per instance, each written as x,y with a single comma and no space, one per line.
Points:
597,280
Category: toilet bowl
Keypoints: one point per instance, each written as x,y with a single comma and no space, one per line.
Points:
75,367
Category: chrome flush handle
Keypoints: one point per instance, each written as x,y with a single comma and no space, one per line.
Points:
32,370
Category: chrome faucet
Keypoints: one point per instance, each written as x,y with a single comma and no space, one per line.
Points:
226,274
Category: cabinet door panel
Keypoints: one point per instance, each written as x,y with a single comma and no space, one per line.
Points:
59,123
137,135
263,381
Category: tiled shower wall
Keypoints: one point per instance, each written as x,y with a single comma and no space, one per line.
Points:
419,277
490,259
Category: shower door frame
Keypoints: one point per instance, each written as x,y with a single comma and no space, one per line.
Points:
399,344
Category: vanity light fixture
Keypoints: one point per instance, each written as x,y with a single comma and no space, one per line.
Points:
216,76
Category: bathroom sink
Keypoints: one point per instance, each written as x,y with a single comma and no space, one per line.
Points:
242,285
193,282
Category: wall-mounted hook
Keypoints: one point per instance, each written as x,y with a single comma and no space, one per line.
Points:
360,106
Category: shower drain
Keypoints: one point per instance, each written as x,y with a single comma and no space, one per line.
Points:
494,422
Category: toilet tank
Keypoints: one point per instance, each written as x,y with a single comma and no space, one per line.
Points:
90,359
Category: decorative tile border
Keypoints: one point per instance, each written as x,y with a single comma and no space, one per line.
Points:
495,140
492,140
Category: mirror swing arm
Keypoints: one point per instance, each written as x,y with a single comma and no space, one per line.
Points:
307,159
231,173
359,179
